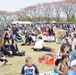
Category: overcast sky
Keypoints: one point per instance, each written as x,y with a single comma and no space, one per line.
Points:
14,5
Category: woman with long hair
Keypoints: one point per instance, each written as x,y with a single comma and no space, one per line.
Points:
15,49
63,50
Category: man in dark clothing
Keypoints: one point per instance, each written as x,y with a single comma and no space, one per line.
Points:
14,30
29,40
50,30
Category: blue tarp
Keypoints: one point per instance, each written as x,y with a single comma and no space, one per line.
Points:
50,73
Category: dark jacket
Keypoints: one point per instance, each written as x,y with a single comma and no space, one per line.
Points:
14,30
1,55
14,48
5,48
50,31
6,38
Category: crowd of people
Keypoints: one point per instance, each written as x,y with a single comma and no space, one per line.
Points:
36,35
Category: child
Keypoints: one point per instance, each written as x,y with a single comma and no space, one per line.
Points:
63,67
29,68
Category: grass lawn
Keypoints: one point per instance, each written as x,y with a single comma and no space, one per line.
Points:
18,62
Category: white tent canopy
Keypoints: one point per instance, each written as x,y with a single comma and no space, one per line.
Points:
53,21
21,22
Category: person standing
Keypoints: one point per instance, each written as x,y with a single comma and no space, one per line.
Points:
14,31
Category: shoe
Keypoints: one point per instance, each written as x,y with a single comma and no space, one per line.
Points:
39,60
11,56
8,63
2,63
23,53
53,50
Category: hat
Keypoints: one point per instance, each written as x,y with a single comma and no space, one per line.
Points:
73,63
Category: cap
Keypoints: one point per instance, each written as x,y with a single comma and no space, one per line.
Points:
73,63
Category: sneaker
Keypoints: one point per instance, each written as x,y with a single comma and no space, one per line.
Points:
8,63
23,53
2,63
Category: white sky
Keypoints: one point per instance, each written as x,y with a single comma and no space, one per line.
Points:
14,5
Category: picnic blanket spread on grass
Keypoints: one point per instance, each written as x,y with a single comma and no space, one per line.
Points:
47,59
49,73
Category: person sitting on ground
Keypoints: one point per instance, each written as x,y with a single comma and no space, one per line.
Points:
18,38
74,42
50,30
61,36
29,68
73,55
63,50
66,40
47,33
33,37
6,50
15,49
52,38
45,38
72,71
29,40
63,67
3,60
39,45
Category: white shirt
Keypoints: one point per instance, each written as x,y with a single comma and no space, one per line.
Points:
45,38
34,38
29,70
39,44
52,38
